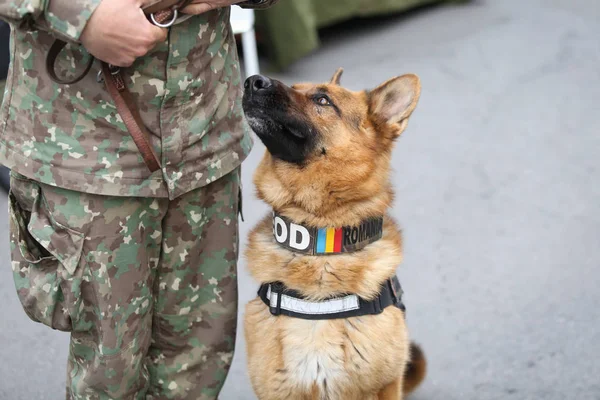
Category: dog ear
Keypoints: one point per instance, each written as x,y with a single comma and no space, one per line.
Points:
335,79
394,100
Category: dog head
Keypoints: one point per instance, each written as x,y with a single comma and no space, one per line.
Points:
327,145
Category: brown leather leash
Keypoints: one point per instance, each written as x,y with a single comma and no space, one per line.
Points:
162,14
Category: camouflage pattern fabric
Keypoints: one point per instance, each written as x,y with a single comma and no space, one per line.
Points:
146,286
71,136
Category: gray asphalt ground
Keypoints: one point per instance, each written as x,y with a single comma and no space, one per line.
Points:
497,194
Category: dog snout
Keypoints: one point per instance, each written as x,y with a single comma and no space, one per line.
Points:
258,84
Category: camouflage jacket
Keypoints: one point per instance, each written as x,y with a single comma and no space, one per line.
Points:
187,90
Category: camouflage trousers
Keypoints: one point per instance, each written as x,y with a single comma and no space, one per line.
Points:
146,286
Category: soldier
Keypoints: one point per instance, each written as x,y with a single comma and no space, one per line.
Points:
140,267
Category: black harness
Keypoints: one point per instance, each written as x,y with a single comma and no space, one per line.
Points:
282,300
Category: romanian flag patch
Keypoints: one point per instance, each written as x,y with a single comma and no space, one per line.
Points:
329,240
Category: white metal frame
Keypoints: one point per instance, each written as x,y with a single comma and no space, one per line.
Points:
242,22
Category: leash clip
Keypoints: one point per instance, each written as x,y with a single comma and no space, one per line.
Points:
113,71
165,24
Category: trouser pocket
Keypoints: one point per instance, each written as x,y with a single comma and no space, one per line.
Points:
45,258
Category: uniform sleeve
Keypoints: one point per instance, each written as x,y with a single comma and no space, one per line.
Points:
65,18
259,4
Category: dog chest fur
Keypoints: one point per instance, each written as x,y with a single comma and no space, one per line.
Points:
313,354
337,359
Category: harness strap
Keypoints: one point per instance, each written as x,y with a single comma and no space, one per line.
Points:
284,301
163,14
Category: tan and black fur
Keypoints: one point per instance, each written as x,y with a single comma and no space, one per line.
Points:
328,165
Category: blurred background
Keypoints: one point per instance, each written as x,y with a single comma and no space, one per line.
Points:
496,181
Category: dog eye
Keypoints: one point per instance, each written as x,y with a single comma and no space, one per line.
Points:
323,101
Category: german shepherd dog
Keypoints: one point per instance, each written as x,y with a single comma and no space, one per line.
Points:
327,165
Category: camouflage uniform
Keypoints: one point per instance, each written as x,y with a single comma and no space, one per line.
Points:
140,267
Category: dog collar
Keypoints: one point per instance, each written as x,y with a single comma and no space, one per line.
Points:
322,241
284,301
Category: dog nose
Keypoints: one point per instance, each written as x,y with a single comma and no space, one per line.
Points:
257,83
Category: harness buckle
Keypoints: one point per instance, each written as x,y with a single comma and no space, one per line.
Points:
276,288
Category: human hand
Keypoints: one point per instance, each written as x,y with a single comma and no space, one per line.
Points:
118,32
202,6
